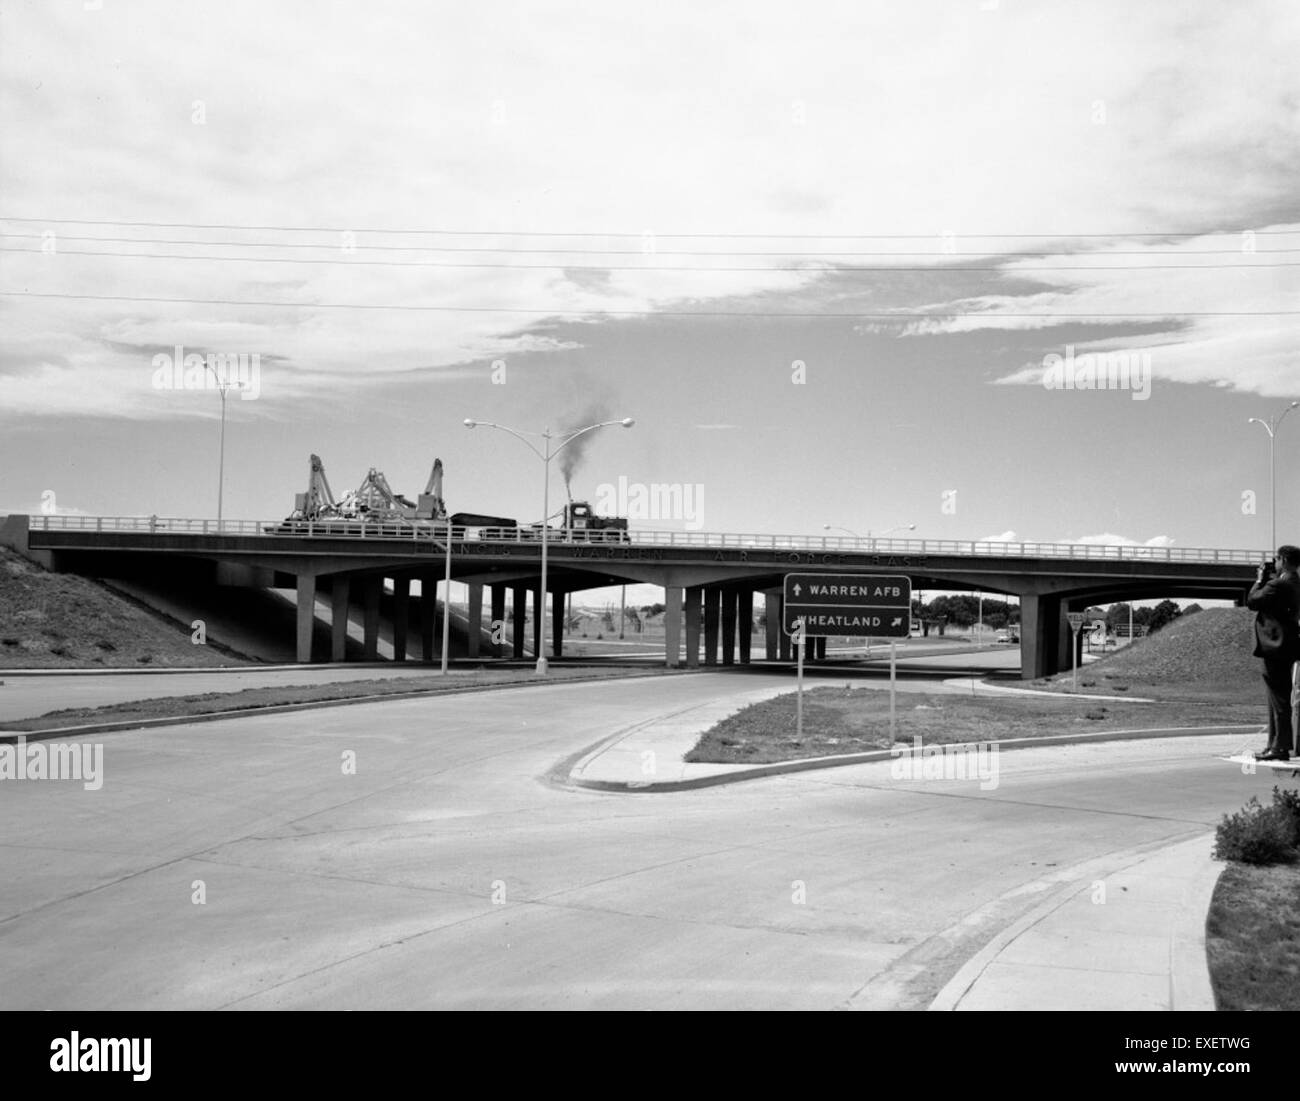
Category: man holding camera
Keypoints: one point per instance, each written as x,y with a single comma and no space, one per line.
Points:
1275,597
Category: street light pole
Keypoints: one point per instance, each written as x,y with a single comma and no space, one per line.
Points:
1270,426
546,455
222,387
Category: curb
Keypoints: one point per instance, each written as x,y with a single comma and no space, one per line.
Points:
778,768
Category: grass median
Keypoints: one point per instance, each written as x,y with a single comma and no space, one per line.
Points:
1252,937
849,720
256,699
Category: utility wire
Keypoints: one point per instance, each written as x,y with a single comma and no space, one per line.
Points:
655,234
932,269
942,315
335,247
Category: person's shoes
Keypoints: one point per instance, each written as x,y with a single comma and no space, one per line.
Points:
1263,754
1273,755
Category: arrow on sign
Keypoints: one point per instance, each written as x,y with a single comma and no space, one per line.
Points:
797,588
897,621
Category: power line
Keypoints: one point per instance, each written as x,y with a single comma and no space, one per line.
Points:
932,269
335,247
560,310
655,234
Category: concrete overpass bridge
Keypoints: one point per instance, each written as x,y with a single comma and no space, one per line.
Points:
709,579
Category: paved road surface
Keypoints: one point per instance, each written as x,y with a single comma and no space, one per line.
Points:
447,872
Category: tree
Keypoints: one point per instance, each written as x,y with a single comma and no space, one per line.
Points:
1163,613
1192,609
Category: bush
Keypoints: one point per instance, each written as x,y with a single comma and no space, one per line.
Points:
1258,834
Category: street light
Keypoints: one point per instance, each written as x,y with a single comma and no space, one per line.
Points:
1270,426
546,455
222,386
850,531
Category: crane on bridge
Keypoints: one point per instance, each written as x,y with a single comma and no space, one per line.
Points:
373,500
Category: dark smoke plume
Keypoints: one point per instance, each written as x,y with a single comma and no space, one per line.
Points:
573,456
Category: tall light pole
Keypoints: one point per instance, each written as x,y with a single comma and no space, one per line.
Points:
546,455
222,386
1270,426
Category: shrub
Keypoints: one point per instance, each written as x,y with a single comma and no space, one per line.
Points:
1287,805
1258,834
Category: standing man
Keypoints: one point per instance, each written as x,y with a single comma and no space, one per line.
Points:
1275,598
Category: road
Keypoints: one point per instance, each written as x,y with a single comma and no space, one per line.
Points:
448,871
26,695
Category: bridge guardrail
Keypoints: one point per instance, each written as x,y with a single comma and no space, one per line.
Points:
156,525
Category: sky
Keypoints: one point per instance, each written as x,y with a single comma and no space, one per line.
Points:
824,256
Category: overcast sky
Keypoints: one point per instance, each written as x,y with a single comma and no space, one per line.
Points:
917,202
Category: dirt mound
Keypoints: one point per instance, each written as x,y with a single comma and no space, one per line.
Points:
54,621
1206,653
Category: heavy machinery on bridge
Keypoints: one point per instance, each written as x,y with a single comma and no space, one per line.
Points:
579,523
375,502
372,502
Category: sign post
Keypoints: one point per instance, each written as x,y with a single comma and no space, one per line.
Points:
847,605
1076,622
797,637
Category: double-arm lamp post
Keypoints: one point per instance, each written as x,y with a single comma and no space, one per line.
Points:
1270,426
546,454
222,385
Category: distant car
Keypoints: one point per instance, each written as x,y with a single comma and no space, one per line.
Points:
1003,637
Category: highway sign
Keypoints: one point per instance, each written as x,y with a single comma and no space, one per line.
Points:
1076,620
848,605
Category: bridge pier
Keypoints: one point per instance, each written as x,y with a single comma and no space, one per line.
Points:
428,613
712,609
339,616
672,626
401,616
519,605
371,589
819,649
306,615
772,601
539,610
745,621
475,620
498,614
728,626
557,624
1040,634
694,605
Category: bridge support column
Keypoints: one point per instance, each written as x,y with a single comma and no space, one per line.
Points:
371,589
712,609
728,626
539,610
401,616
475,619
557,625
518,605
772,624
498,614
306,614
745,622
694,602
1040,619
819,649
339,626
428,618
672,626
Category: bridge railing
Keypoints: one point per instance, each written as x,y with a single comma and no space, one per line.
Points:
428,531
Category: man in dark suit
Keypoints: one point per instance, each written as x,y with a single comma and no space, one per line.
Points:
1275,598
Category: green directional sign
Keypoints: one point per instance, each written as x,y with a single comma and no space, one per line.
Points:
852,605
